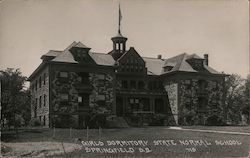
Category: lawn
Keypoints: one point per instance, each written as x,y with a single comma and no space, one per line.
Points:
131,142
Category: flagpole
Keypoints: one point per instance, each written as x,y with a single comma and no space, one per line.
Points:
120,18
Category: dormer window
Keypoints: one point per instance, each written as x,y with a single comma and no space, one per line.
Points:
80,52
168,68
197,64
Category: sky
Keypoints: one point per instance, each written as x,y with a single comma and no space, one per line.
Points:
220,28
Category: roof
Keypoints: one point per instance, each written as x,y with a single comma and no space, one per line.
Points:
51,53
179,63
154,66
102,59
80,45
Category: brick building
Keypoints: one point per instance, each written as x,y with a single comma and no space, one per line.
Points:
71,86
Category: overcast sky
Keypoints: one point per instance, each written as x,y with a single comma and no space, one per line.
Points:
30,28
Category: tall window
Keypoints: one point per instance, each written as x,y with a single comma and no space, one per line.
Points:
40,101
141,85
125,84
84,77
36,103
44,120
64,77
44,99
35,108
133,84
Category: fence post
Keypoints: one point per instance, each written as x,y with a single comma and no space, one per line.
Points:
87,132
99,132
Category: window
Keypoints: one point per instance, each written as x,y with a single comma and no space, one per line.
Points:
150,85
44,78
101,97
125,84
64,97
63,74
36,104
44,120
40,101
202,84
83,77
133,84
141,85
79,99
44,99
168,68
83,100
117,46
202,104
102,77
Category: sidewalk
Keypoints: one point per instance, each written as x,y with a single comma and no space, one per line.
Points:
221,131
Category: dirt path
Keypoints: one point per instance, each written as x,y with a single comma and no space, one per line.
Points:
39,149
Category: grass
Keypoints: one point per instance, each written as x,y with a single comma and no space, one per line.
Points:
73,148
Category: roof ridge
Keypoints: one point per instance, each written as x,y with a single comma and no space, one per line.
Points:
71,45
56,50
153,58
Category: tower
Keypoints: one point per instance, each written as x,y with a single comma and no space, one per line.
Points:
119,41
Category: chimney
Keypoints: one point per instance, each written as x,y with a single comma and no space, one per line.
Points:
206,59
159,56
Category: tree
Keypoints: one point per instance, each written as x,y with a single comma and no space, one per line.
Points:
236,98
14,97
246,108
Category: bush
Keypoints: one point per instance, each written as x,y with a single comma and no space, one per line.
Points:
35,122
214,121
158,120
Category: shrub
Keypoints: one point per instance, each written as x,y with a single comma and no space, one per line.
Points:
158,119
35,122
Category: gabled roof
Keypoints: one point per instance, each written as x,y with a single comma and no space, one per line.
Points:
100,58
131,50
180,63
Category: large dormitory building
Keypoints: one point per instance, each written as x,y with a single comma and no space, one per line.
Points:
72,85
